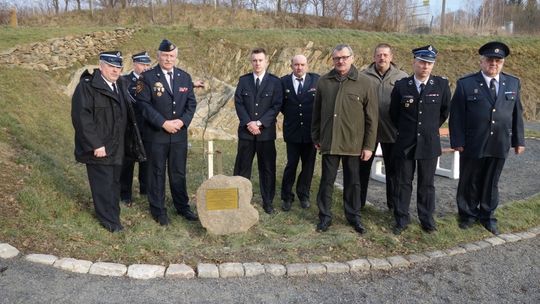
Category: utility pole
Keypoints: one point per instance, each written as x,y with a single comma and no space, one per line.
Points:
443,13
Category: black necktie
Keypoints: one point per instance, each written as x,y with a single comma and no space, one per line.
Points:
114,88
257,84
493,89
422,87
170,80
300,88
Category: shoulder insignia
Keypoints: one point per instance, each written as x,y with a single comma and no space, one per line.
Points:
509,75
467,75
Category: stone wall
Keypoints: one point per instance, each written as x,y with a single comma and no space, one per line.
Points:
62,53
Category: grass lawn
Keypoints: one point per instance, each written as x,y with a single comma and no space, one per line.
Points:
45,203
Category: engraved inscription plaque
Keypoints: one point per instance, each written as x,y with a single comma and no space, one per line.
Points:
222,199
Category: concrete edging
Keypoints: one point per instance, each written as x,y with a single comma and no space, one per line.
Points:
235,270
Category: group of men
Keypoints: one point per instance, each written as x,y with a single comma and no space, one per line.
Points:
343,114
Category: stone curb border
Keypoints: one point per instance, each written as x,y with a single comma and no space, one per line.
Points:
235,270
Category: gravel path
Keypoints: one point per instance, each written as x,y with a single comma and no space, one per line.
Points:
507,273
519,180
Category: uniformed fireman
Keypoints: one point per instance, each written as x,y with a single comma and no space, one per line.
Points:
486,119
257,100
419,106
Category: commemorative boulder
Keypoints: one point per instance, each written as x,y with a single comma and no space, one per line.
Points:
224,205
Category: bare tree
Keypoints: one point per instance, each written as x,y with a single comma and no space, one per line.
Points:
56,6
66,5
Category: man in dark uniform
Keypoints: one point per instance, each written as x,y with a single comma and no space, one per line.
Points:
102,118
299,90
486,119
419,106
141,63
166,96
257,100
385,74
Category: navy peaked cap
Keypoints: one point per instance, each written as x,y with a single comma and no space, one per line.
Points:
113,58
494,49
141,57
426,53
166,46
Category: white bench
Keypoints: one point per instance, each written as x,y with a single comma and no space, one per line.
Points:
452,172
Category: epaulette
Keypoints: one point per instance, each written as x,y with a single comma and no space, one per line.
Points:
272,75
245,75
510,75
468,75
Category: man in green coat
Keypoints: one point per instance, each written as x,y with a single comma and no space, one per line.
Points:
344,128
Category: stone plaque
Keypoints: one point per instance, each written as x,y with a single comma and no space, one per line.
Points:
222,199
224,205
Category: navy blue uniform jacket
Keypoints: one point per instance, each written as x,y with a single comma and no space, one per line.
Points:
159,103
297,109
483,126
264,106
418,117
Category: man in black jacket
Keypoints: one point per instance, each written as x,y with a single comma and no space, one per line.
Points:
166,96
101,114
419,106
486,119
299,90
141,63
257,100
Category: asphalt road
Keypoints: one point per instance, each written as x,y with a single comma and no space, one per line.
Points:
508,273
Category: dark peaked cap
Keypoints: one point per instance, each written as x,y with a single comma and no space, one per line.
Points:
141,57
494,49
166,46
426,53
113,58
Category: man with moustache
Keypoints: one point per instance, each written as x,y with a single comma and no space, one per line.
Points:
385,74
104,122
419,106
299,90
257,101
168,103
344,129
486,119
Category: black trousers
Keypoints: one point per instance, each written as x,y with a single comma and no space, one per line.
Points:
425,199
478,191
170,158
351,186
126,179
390,172
307,153
266,162
104,183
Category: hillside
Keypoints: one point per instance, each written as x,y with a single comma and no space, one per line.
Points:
45,204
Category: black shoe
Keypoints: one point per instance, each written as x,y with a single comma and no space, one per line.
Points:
285,205
188,215
359,228
118,228
163,219
323,225
113,228
305,204
268,208
465,224
429,229
492,228
397,230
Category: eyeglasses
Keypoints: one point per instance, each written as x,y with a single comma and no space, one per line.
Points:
338,59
